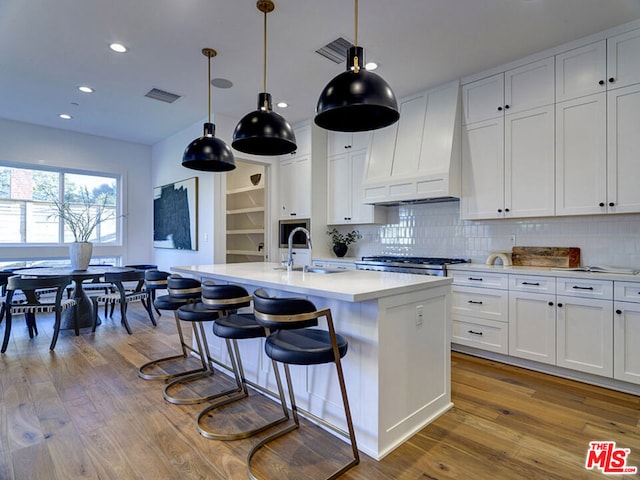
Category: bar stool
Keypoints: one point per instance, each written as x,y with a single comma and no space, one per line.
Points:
181,292
198,314
155,280
291,341
232,327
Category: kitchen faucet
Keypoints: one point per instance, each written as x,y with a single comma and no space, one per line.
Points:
293,232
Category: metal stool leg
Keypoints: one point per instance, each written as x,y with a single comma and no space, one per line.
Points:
143,370
236,363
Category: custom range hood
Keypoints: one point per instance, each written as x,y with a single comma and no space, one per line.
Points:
418,159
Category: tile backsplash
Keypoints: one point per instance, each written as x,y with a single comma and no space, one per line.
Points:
435,229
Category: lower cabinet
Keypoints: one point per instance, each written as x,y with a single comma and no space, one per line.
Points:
626,332
532,326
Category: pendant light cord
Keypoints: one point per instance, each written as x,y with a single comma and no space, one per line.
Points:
209,85
264,61
356,66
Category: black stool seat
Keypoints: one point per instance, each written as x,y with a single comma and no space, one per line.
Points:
197,312
238,326
303,347
168,302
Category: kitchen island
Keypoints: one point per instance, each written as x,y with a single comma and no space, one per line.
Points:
397,369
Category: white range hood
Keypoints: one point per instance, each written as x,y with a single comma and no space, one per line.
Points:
418,158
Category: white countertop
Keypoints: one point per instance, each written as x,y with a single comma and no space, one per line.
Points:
548,271
348,285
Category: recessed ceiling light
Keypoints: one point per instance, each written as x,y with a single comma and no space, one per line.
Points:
65,116
371,66
86,89
117,47
282,104
221,83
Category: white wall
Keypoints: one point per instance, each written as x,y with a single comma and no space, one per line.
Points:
37,146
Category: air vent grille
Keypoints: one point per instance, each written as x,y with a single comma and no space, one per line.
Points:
161,95
336,51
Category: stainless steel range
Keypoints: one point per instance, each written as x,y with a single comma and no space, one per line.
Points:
419,265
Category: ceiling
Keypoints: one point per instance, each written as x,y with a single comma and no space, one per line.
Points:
49,48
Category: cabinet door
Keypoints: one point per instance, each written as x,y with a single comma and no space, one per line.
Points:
581,151
302,186
623,59
483,99
529,163
585,335
581,71
532,326
623,145
529,86
338,142
626,338
483,170
286,178
338,189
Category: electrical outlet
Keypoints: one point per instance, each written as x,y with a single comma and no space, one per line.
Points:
513,239
419,314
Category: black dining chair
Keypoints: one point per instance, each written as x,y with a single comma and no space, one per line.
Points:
292,340
17,285
123,297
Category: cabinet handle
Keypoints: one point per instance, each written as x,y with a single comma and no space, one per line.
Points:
506,209
475,279
601,204
499,109
619,312
560,305
612,80
499,210
474,333
601,82
611,204
576,287
506,107
551,304
535,284
475,302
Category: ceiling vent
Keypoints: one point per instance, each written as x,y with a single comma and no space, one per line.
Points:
161,95
336,51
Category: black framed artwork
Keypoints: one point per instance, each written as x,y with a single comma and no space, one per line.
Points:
175,215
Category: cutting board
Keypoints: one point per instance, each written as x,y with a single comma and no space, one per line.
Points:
546,256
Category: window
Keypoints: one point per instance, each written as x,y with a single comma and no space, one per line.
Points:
28,198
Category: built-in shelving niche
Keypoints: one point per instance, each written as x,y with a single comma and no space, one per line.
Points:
245,214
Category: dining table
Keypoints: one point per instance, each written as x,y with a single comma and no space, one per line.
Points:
84,305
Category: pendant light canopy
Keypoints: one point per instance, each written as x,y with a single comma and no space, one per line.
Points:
208,153
356,100
263,131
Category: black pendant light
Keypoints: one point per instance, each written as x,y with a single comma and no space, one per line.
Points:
208,153
263,131
356,100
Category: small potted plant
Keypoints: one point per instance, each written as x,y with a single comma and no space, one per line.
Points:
341,241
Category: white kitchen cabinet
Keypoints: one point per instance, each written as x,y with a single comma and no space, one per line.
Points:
347,155
516,90
497,156
581,155
479,311
532,318
623,145
623,59
295,186
626,331
581,71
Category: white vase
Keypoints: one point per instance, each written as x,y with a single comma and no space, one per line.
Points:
80,255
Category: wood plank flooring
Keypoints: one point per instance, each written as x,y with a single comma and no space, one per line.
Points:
83,413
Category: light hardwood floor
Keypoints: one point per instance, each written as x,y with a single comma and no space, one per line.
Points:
82,412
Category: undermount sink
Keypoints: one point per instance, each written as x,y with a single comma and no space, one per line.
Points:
321,270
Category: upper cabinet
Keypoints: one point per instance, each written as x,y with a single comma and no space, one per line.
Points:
417,158
295,178
346,156
513,91
623,59
582,71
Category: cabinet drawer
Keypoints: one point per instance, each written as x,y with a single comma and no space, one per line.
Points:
484,334
534,284
626,291
480,303
486,280
586,288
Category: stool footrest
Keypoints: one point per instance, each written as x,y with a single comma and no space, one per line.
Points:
166,376
169,397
